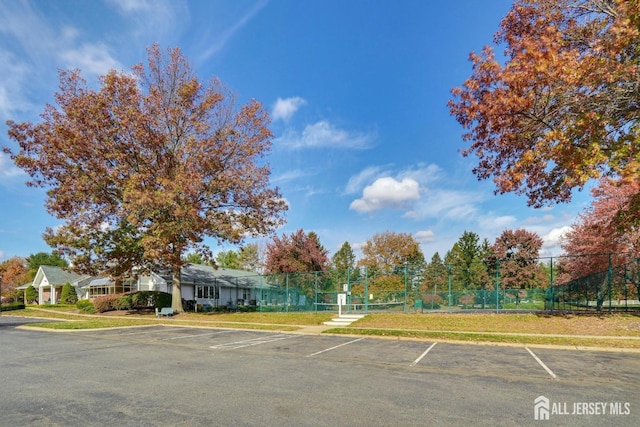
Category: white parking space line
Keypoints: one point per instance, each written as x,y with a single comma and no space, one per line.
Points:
197,335
155,330
546,368
253,341
415,362
333,348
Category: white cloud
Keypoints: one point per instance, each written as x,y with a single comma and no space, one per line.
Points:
424,174
491,223
324,134
219,44
93,58
156,20
357,182
284,109
7,168
387,193
128,6
447,204
292,175
14,75
425,236
553,238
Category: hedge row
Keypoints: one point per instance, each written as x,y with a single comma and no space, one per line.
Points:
139,299
13,306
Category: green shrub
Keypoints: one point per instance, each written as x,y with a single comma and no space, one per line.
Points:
68,295
149,299
86,306
141,299
161,299
13,306
126,302
121,302
31,294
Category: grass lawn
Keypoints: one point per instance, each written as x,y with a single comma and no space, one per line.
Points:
618,330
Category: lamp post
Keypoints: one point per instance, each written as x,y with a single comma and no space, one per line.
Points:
0,293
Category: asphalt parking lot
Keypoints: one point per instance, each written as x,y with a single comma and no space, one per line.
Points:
166,375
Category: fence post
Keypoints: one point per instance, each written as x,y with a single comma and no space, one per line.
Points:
316,291
366,291
405,287
552,287
449,283
497,285
609,280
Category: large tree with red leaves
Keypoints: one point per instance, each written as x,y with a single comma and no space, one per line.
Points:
516,253
561,108
148,165
296,253
596,239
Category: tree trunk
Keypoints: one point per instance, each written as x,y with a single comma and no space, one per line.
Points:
176,291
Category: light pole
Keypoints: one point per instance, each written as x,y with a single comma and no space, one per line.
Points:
0,293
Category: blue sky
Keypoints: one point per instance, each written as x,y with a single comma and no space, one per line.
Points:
357,91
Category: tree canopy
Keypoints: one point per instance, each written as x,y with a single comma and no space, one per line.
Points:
228,259
595,234
298,252
516,253
34,261
250,258
144,168
387,251
562,107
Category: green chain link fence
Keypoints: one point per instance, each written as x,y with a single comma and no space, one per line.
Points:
406,289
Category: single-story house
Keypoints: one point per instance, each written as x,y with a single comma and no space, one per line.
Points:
203,284
49,281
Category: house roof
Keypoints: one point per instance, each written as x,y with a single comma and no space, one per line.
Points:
55,275
199,274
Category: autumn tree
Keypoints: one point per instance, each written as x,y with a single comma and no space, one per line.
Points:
144,168
516,253
14,273
391,257
563,107
296,253
595,238
387,251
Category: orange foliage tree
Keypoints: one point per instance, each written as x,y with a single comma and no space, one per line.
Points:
562,107
146,167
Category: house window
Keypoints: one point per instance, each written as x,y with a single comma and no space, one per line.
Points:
97,291
207,292
246,294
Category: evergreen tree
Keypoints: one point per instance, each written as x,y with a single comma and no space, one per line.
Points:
68,295
31,294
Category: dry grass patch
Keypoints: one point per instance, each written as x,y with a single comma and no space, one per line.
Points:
591,325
